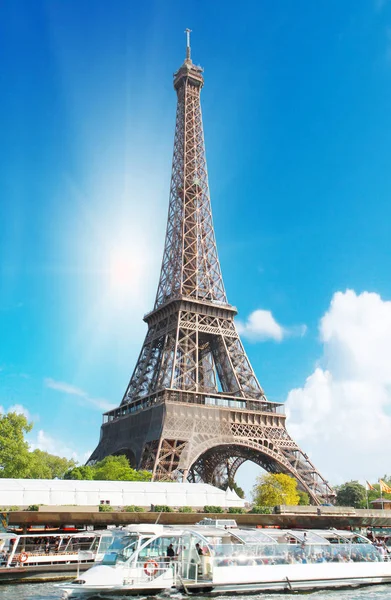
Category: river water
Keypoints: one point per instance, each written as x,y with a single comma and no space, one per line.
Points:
47,591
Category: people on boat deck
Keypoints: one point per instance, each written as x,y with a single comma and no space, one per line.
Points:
200,552
304,541
309,555
170,551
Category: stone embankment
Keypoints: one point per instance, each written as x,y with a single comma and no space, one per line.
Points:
305,517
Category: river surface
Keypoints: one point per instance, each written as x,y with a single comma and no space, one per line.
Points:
47,591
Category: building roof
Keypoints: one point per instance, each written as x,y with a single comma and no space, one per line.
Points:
23,492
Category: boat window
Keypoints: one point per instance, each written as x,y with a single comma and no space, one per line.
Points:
303,537
95,544
275,554
120,550
334,539
253,537
157,548
145,539
77,543
359,539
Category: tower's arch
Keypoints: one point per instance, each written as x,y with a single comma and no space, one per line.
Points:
130,455
219,462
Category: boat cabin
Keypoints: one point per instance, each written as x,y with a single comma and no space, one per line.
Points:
49,549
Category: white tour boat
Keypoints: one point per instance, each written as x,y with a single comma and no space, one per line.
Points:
53,555
216,560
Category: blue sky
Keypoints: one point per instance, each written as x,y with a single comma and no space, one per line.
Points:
297,119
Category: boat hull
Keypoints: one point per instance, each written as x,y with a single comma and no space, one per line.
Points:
256,579
295,577
41,573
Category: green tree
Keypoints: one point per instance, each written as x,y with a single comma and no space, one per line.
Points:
117,468
351,493
304,498
14,450
81,472
105,508
261,510
271,490
213,509
43,465
375,493
234,486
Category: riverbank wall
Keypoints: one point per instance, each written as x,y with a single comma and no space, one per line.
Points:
284,519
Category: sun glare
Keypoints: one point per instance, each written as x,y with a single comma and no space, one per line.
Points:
125,273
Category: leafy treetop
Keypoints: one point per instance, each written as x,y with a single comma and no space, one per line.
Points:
351,493
304,498
273,489
18,461
43,465
112,468
14,450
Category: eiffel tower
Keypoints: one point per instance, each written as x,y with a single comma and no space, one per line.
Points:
194,409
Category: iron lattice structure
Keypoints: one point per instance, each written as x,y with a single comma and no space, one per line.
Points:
194,409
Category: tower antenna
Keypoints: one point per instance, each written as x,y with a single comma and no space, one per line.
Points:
188,32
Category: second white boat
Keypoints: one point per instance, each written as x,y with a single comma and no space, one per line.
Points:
218,560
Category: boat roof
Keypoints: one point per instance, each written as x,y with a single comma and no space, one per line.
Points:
254,536
300,535
245,536
341,533
66,534
203,530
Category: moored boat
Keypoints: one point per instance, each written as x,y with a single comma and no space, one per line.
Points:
218,560
37,557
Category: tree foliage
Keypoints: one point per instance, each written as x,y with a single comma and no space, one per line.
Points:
304,498
14,450
351,493
213,509
273,489
133,508
375,493
235,487
111,468
105,508
185,509
261,510
17,461
43,465
162,508
81,472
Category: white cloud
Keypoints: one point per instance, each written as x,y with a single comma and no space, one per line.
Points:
67,388
342,415
19,409
45,442
261,325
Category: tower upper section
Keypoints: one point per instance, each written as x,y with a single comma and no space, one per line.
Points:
190,266
188,72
